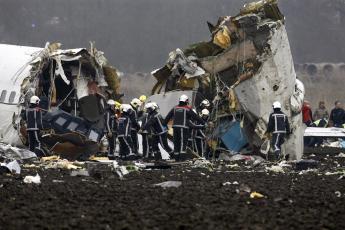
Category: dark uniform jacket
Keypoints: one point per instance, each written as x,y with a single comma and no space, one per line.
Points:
278,123
110,121
33,116
182,115
124,126
144,118
133,115
155,123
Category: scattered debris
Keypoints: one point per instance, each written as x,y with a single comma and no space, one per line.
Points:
275,168
230,183
341,155
81,172
32,179
255,195
58,181
50,158
202,163
61,164
12,167
121,171
13,153
169,184
338,194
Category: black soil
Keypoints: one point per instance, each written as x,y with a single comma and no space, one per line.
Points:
292,201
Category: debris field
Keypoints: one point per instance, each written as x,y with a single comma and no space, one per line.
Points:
226,195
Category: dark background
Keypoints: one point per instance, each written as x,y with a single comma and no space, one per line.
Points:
136,35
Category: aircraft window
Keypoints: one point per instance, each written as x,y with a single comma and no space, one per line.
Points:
3,95
72,126
60,121
93,135
12,96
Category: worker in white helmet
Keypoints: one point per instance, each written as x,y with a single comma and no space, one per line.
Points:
182,115
111,128
159,131
145,133
205,104
124,133
34,125
200,137
279,127
135,104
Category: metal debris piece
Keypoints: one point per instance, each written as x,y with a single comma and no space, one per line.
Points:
255,195
169,184
32,179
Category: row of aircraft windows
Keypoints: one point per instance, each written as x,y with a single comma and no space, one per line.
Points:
3,96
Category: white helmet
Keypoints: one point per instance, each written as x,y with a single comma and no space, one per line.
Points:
205,103
125,107
183,98
149,106
136,102
111,102
205,112
155,105
277,105
34,100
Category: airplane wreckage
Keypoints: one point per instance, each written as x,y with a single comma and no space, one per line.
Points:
243,69
73,86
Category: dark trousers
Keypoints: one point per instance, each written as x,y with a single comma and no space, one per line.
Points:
180,140
277,140
146,144
125,146
200,146
135,144
161,139
34,142
112,145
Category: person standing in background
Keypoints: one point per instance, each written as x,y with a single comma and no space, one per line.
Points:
307,114
321,112
337,116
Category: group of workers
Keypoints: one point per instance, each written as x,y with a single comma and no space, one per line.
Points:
126,121
123,122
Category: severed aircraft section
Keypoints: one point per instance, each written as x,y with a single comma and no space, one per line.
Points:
73,86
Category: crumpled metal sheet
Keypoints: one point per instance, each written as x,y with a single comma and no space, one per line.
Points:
232,56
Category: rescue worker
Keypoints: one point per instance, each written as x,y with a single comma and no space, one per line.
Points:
205,104
33,116
124,133
200,143
141,109
135,104
145,133
279,127
159,131
111,128
337,116
182,115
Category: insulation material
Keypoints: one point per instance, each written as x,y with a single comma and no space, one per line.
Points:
222,38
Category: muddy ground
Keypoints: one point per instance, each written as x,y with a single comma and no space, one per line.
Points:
293,200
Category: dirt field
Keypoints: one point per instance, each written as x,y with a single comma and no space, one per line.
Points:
310,200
